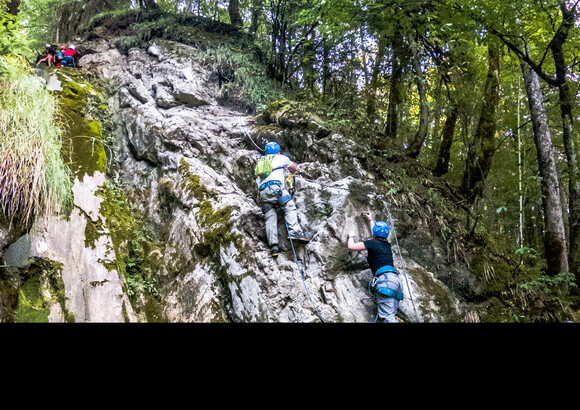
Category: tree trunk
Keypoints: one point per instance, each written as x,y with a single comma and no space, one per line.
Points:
372,98
479,165
257,11
392,124
13,7
309,70
325,66
148,4
234,12
554,234
566,104
416,143
446,142
71,16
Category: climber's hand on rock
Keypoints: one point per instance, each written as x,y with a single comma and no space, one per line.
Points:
368,214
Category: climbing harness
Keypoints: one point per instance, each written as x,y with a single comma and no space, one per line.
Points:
269,183
383,289
390,293
291,183
302,276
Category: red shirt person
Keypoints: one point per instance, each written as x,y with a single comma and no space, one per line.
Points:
70,56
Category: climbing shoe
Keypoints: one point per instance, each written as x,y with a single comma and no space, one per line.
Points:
274,251
298,237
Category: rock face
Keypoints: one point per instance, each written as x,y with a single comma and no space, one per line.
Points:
185,164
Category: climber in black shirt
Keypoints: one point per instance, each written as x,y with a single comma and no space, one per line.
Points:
386,282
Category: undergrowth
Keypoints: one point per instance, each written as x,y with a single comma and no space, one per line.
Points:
33,177
240,76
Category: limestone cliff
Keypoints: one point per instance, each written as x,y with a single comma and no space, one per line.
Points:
165,225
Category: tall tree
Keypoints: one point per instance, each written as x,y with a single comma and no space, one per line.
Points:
446,141
544,27
417,141
396,84
374,83
569,18
480,159
554,237
234,12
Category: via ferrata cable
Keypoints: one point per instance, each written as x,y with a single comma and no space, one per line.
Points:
401,256
301,275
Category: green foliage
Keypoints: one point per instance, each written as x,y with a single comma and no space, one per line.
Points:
545,298
216,223
40,288
32,308
556,285
13,39
241,76
83,111
33,176
40,17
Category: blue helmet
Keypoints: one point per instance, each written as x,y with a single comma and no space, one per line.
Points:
381,229
272,147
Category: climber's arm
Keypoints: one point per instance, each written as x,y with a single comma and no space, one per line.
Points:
354,246
293,168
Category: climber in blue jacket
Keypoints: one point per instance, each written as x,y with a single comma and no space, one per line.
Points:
386,283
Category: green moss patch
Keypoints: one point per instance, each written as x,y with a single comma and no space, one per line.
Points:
135,249
41,287
81,107
217,223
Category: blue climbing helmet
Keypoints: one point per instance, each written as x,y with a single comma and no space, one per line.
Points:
381,229
272,147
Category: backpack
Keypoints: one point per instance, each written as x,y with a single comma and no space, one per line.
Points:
264,166
67,61
58,59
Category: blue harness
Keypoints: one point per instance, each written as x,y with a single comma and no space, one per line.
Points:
385,290
269,183
282,199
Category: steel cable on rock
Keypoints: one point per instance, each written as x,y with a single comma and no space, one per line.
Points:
401,256
302,275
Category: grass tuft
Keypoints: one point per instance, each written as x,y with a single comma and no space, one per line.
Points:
34,181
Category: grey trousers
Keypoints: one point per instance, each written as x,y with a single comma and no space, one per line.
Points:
388,306
270,201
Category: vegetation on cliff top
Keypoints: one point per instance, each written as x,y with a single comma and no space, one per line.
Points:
33,177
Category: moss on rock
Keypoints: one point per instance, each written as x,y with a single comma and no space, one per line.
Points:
82,107
136,253
41,287
191,183
217,223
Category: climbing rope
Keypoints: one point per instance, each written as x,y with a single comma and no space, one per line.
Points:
292,183
401,256
322,185
252,140
301,275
